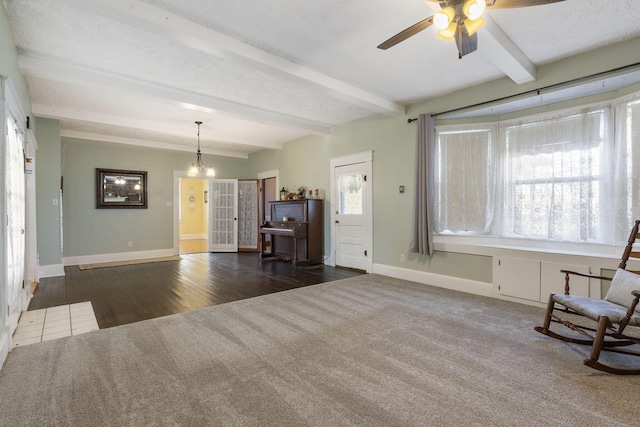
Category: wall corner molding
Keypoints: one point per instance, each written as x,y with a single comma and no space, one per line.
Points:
53,270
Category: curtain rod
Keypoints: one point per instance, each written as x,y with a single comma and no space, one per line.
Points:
539,90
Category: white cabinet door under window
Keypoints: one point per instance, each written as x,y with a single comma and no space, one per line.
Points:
534,280
350,181
223,215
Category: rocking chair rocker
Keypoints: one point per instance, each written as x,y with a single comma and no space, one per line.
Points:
613,314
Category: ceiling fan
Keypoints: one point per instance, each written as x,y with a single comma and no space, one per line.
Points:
459,20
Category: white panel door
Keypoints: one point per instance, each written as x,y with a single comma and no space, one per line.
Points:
223,215
15,202
350,230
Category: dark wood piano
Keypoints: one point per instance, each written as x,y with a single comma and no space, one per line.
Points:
299,238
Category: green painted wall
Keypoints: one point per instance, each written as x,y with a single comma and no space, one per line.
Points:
48,174
306,161
91,231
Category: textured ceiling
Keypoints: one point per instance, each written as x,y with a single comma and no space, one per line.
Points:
261,73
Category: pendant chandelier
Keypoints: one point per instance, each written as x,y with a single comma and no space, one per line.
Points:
198,168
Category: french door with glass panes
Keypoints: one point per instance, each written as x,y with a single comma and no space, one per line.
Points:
223,215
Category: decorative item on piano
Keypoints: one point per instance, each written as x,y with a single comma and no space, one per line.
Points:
283,194
310,196
301,194
317,194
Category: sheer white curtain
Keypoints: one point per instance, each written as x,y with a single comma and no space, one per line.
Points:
15,191
557,178
465,175
248,214
572,176
627,189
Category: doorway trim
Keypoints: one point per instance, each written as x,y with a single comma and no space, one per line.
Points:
10,106
275,173
177,174
365,157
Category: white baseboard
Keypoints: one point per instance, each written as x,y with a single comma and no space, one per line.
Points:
5,342
441,281
120,256
193,237
53,270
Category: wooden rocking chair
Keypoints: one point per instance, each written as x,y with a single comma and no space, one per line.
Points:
613,314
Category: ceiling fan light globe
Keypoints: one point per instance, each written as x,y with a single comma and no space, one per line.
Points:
474,9
449,33
442,20
473,25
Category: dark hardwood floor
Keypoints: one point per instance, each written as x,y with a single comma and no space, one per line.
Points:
131,293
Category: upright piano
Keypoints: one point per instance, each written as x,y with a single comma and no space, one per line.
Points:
296,232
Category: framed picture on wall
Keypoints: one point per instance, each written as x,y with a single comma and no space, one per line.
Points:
121,189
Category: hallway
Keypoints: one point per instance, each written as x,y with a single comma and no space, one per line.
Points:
193,246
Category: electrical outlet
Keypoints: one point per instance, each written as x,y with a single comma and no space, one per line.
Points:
130,243
401,257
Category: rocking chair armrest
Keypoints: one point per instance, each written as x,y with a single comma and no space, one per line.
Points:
591,276
567,274
630,311
634,303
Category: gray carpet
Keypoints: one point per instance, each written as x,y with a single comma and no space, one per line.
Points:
365,351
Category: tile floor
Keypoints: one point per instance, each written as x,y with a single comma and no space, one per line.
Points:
55,322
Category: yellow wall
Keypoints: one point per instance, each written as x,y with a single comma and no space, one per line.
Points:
193,211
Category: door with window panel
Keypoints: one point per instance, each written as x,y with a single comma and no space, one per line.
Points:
248,214
350,216
223,215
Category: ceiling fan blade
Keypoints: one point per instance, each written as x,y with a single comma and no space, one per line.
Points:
405,34
511,4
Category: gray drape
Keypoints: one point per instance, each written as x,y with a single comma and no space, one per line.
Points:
422,230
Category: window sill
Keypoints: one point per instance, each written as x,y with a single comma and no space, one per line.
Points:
492,246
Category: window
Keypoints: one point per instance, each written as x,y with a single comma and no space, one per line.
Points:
350,194
465,177
554,177
627,166
570,177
